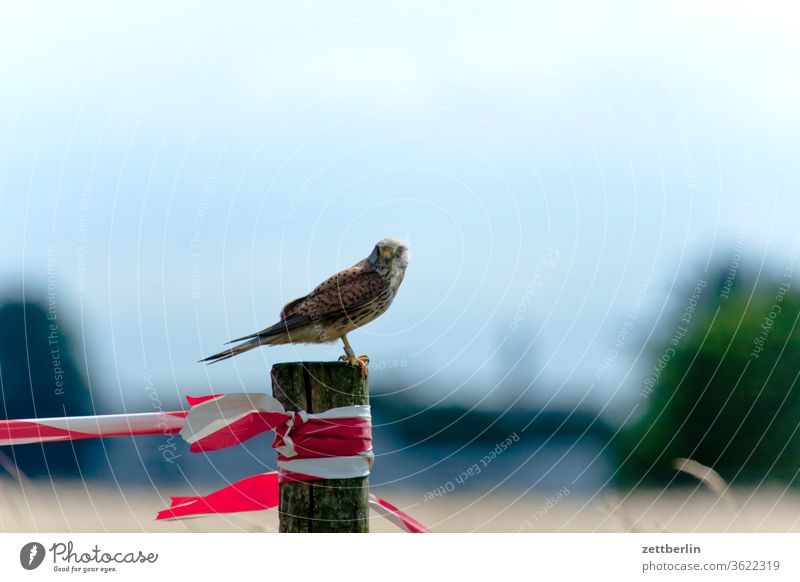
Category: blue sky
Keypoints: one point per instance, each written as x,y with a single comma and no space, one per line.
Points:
191,170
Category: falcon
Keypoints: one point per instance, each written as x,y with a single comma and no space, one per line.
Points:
340,304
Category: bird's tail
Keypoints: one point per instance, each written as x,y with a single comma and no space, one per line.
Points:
235,350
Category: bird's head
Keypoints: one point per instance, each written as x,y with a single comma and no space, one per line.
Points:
390,253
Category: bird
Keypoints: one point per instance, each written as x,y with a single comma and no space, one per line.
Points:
346,301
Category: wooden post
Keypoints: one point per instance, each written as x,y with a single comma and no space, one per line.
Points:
329,505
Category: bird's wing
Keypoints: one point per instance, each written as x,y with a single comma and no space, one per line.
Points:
343,291
287,324
292,307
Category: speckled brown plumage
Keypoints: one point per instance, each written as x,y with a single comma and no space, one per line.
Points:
350,287
338,305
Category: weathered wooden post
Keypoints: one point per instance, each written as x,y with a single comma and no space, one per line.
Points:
329,505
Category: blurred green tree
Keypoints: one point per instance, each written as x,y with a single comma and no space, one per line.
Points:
40,377
723,386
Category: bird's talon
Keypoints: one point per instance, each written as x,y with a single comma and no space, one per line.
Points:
361,361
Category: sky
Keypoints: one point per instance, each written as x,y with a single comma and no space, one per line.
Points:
172,175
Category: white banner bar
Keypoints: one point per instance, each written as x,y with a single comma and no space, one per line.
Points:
257,556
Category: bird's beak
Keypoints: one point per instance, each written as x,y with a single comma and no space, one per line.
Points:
387,255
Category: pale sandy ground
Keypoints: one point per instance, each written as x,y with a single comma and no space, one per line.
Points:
78,508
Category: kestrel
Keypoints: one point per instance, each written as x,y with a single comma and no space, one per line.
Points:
338,305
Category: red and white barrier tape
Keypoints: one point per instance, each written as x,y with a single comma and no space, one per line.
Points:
72,428
334,444
261,492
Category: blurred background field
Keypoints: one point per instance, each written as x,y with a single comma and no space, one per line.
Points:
601,203
76,508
